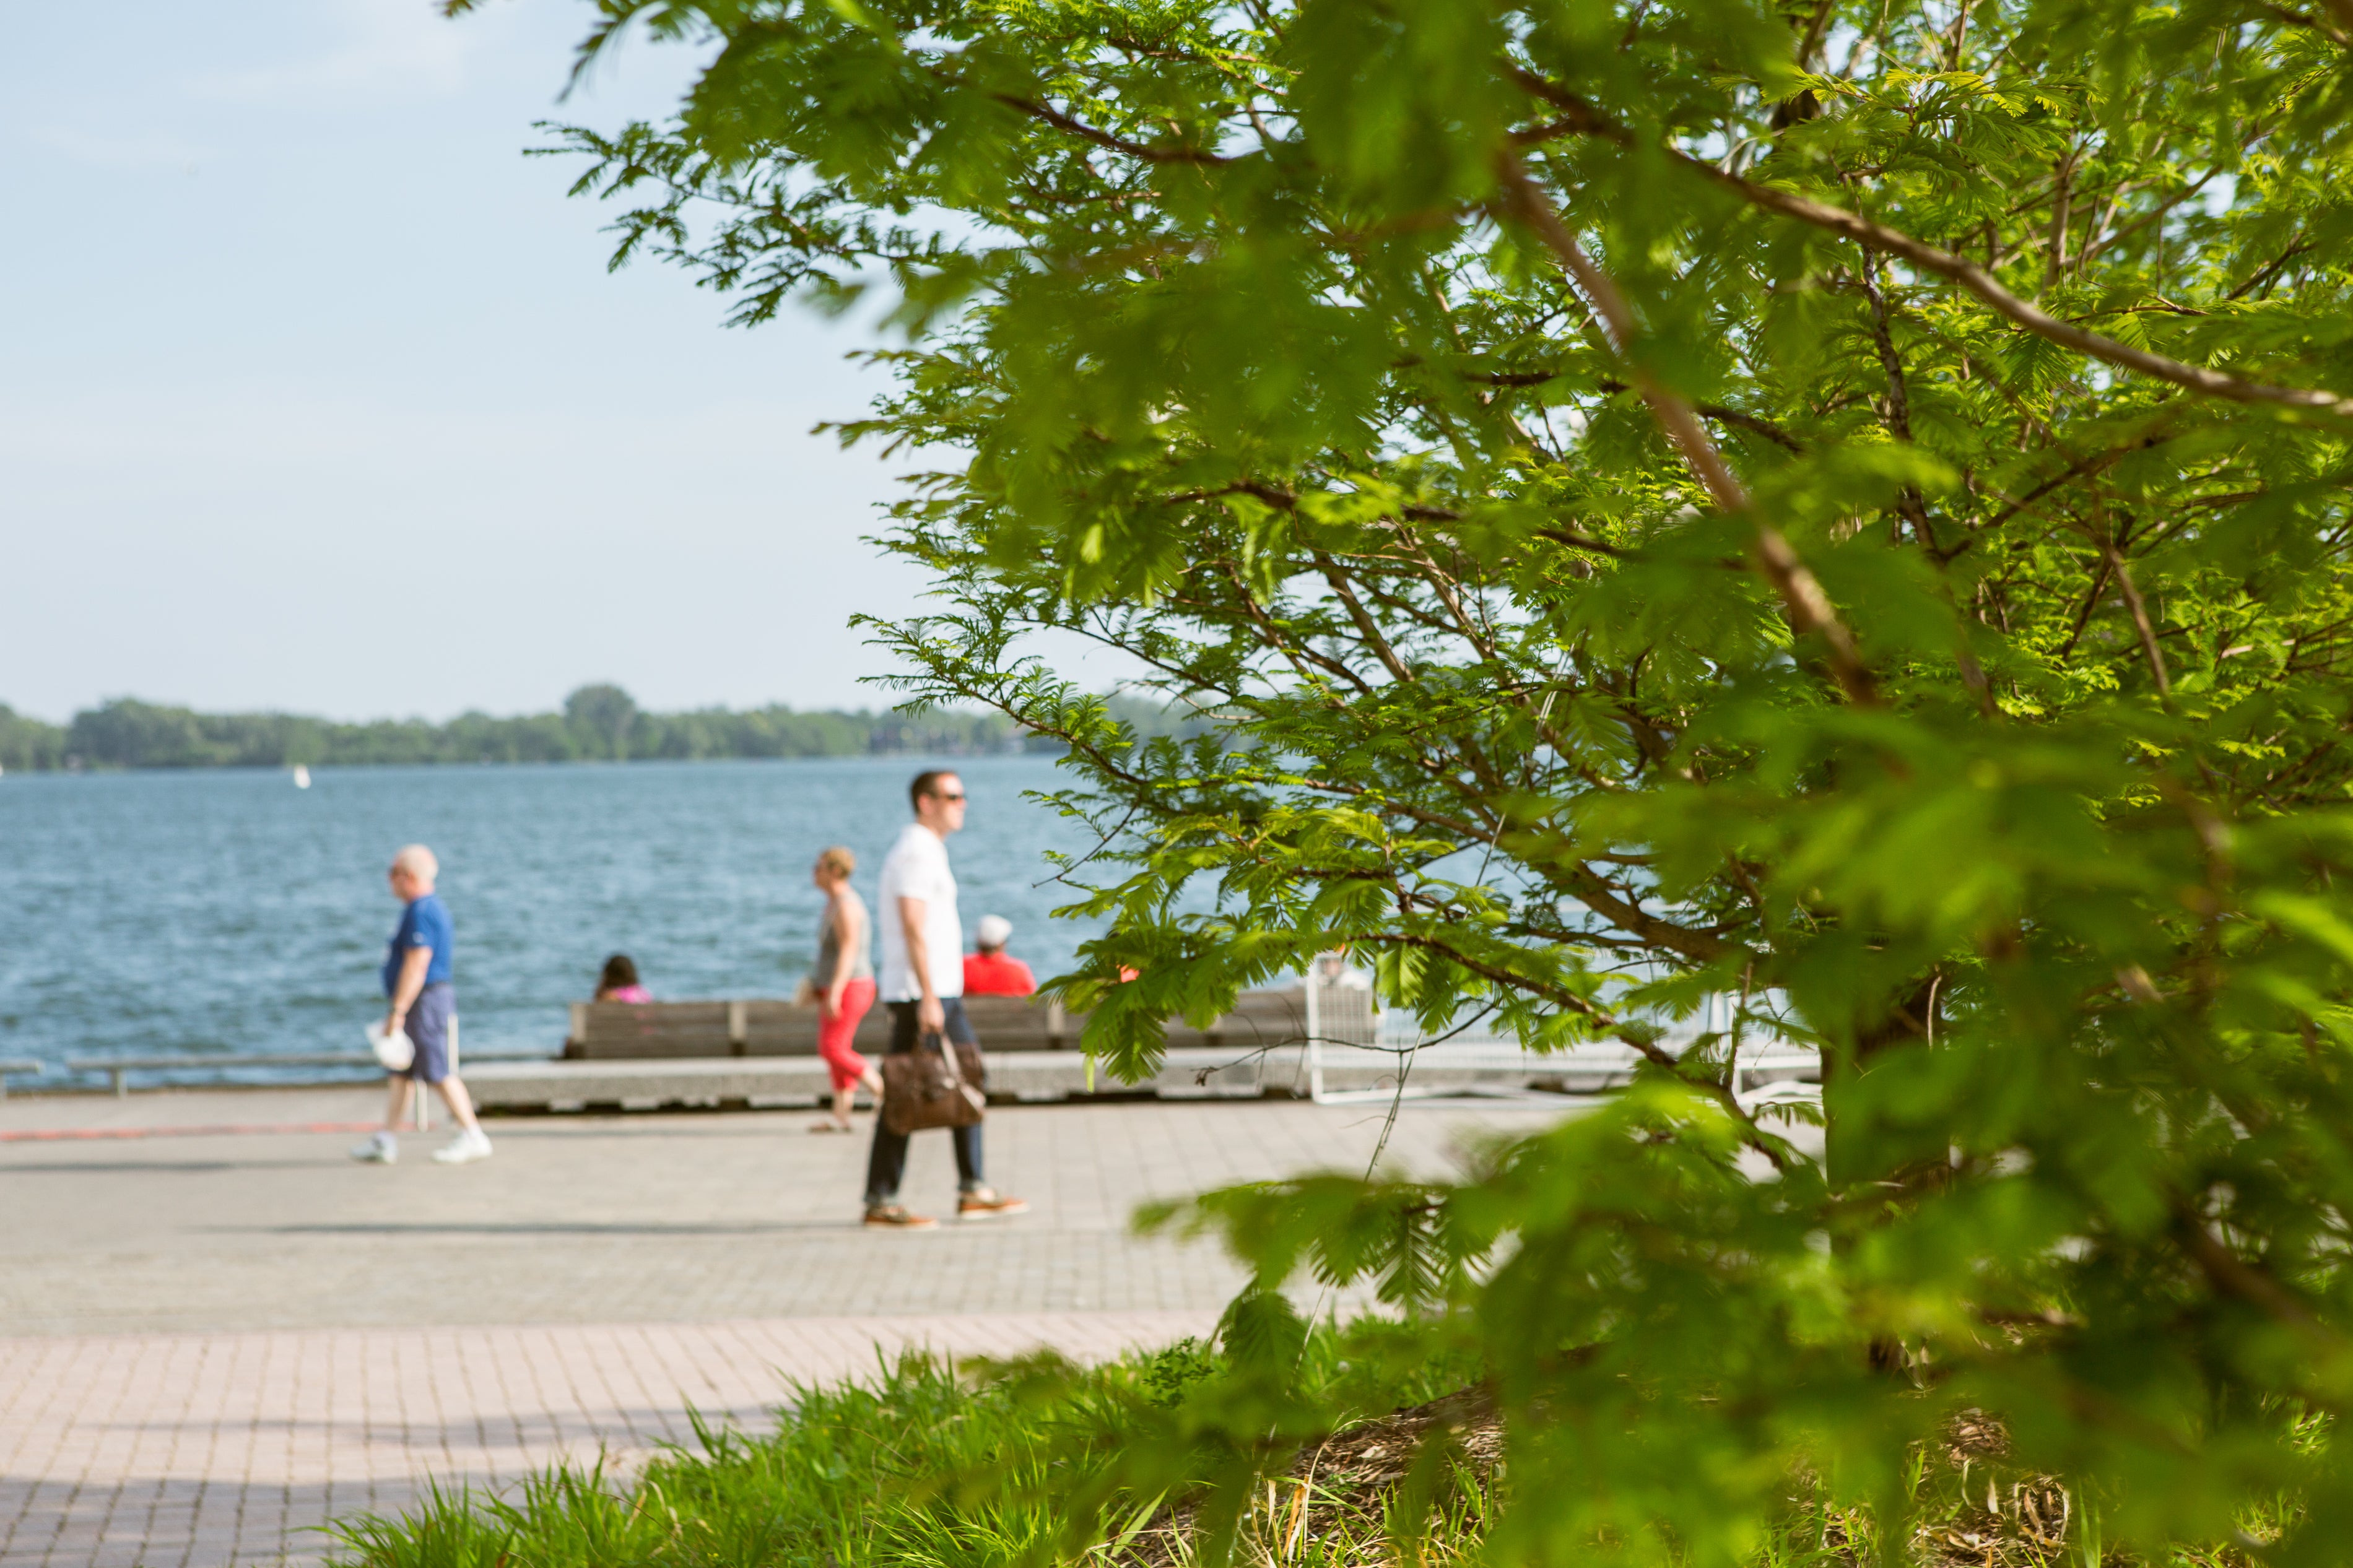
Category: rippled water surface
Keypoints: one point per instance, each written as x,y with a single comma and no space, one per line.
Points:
151,914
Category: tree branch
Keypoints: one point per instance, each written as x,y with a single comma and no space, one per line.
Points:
2232,1275
1061,121
2140,620
1732,416
1809,608
1955,269
1753,1135
1983,284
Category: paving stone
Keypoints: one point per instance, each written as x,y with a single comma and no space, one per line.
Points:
211,1345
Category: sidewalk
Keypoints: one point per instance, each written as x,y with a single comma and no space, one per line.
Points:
210,1342
621,1219
192,1450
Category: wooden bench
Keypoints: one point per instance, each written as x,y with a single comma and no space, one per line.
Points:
660,1031
656,1031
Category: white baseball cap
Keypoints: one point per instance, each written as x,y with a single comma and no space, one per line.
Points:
992,930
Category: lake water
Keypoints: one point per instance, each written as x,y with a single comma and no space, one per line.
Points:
205,912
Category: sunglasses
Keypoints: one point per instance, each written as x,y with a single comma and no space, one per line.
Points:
950,798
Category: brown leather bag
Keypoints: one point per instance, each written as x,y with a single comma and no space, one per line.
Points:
933,1086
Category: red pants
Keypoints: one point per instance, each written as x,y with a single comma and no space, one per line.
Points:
835,1030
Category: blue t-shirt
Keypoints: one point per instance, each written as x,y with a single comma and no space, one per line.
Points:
424,923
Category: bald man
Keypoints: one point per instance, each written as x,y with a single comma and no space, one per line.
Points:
423,1006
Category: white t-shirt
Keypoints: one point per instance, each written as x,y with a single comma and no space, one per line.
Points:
917,868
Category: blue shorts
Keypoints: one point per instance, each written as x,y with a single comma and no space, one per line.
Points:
428,1025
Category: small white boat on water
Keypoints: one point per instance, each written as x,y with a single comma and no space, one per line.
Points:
302,775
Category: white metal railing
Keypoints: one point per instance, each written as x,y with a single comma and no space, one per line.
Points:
1345,1028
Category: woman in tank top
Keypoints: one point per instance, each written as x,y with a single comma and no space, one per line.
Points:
843,981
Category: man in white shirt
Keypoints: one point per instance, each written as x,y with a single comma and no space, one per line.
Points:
923,984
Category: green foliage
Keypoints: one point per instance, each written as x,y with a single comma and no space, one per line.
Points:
921,1467
1843,507
28,746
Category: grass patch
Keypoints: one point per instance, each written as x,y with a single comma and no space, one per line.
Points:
919,1468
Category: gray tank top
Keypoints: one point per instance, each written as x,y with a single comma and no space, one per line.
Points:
828,945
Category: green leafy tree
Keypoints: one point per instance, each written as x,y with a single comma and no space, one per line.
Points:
602,717
28,744
125,732
1842,507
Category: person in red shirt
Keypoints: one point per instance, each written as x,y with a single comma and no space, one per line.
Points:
989,972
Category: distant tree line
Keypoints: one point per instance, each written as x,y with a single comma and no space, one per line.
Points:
598,723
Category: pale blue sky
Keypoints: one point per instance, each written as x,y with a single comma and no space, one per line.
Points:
315,394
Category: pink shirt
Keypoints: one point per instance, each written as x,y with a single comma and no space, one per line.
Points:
625,994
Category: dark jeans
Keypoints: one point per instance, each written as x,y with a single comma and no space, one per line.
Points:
887,1162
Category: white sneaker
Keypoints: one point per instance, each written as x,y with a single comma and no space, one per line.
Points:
467,1146
380,1149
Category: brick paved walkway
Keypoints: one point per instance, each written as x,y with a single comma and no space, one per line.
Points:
210,1345
634,1219
198,1450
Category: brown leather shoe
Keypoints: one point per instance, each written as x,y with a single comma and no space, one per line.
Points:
892,1217
987,1202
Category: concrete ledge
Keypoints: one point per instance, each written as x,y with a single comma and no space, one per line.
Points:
789,1080
1189,1073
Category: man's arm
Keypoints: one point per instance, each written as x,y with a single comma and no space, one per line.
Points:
929,1014
413,966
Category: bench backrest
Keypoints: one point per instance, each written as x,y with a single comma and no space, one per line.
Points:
789,1029
639,1031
